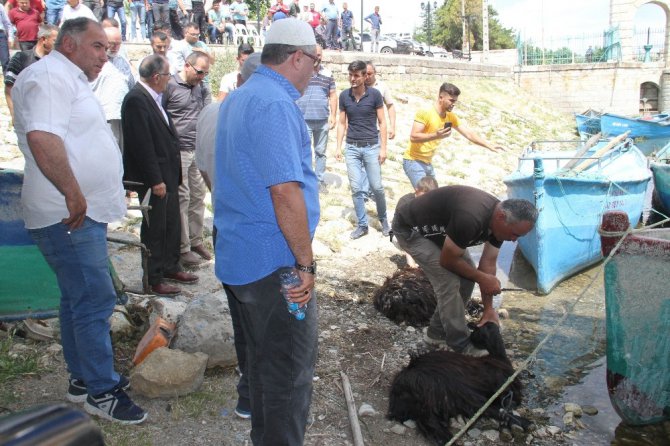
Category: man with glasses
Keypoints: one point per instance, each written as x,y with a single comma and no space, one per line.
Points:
319,107
183,99
266,208
151,158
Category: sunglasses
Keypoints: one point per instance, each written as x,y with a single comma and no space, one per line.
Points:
199,72
316,59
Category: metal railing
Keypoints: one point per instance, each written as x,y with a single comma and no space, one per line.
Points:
648,44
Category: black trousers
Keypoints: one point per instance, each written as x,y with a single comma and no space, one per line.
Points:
200,18
162,236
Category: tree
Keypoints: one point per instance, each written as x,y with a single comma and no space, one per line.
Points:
448,31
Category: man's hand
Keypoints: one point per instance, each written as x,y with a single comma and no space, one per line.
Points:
303,293
159,190
489,315
489,285
331,123
443,133
338,154
76,205
382,156
391,133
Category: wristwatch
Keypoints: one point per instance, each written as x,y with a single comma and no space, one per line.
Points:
311,268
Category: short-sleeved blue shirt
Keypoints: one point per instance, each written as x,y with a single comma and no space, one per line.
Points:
347,19
261,141
361,115
375,20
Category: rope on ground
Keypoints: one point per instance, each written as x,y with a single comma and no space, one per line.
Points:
531,358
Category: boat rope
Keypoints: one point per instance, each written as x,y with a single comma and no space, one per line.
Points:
533,355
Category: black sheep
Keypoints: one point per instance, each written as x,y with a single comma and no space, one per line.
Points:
407,296
438,385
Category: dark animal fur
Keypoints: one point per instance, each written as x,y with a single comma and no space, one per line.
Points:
407,296
438,385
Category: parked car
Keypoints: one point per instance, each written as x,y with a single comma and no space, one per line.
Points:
418,48
387,45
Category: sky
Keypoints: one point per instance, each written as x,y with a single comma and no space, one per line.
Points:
533,18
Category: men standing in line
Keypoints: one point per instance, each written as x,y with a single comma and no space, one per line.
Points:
6,31
432,125
331,12
229,81
361,108
27,20
204,157
315,19
375,21
46,38
151,157
115,57
72,189
96,6
74,9
347,20
319,107
436,229
112,85
266,209
372,81
183,99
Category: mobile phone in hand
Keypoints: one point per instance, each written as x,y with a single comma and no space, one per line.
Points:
447,125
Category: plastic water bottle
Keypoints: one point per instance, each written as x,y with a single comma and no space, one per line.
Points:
497,301
289,279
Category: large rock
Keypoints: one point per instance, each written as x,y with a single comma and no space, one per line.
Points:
168,309
206,327
168,373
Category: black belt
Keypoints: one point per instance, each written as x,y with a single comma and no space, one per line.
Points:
363,143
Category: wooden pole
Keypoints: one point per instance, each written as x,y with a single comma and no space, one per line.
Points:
351,408
587,145
588,163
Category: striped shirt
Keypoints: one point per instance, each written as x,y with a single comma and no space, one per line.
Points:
314,103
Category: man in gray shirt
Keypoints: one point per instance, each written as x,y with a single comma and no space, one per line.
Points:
184,99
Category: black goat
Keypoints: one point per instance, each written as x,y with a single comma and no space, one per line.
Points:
438,385
407,296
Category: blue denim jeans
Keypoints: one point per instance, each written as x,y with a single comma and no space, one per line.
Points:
281,356
318,133
149,19
111,10
363,168
80,260
137,13
53,15
415,170
4,51
214,33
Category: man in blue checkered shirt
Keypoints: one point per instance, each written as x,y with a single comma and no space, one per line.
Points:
319,107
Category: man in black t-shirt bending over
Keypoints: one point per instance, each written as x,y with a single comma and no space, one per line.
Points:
437,228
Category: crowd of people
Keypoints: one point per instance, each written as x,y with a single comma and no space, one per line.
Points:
158,130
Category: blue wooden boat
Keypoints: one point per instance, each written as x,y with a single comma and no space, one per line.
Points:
588,123
28,287
650,134
637,301
660,168
572,189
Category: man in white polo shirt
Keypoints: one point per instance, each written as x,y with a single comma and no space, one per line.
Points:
72,188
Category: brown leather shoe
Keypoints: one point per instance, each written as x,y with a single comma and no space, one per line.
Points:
202,252
164,289
190,259
181,277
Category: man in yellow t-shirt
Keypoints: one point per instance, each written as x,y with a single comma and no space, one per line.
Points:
431,125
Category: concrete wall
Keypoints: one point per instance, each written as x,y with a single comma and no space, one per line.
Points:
612,87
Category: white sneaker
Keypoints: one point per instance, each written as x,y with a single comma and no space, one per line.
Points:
471,350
